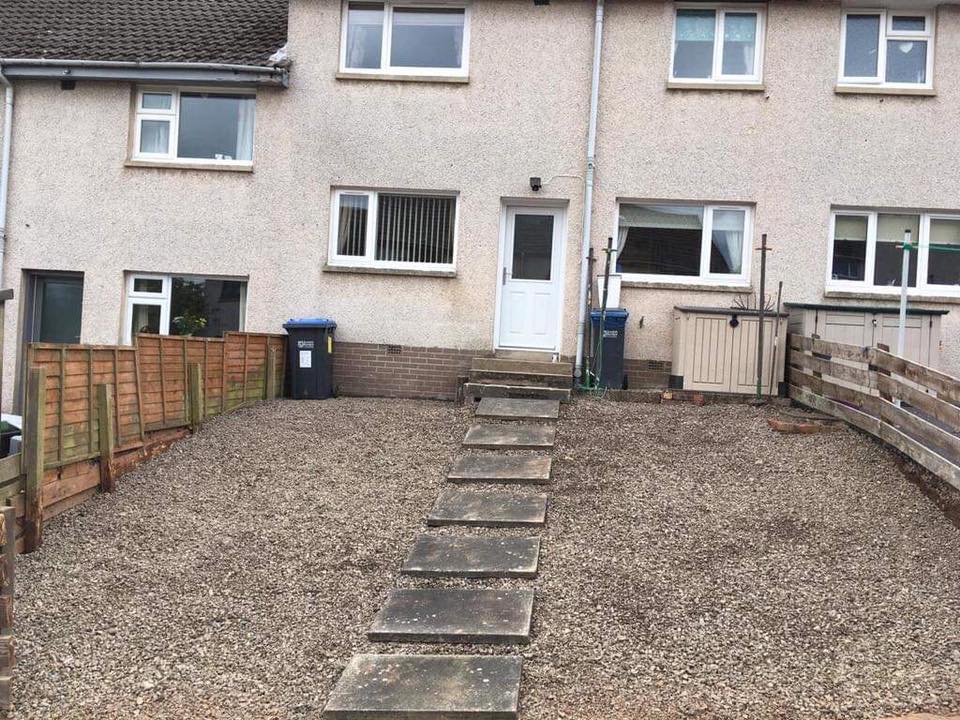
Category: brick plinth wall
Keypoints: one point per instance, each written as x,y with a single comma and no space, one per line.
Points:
362,369
647,373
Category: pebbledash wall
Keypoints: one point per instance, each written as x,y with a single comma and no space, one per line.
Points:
792,151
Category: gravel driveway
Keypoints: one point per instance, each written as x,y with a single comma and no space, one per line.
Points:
695,565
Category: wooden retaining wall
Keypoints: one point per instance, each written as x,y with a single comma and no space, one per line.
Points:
93,411
914,408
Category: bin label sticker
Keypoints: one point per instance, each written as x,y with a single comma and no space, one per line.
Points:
305,344
329,344
611,334
306,359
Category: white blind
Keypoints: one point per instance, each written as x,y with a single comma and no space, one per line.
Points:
415,229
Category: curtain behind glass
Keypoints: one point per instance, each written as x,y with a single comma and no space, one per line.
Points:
364,35
739,43
943,265
693,48
726,251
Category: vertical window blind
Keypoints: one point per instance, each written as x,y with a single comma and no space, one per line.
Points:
415,229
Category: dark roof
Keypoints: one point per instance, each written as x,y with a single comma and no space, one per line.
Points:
242,32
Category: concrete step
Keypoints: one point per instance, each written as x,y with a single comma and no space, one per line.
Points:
518,408
427,687
510,437
488,509
499,390
454,615
531,355
523,379
524,364
473,557
534,469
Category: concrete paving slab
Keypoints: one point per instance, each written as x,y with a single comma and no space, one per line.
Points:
473,557
427,687
501,469
488,509
519,408
454,615
512,437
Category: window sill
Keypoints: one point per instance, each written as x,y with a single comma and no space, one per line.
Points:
881,90
176,165
704,287
388,271
892,297
716,86
397,77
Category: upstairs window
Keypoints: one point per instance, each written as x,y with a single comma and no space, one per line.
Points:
698,244
404,39
721,44
866,252
393,229
194,126
887,48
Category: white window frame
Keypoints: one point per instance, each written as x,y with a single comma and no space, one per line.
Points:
716,74
919,257
385,41
163,299
173,117
368,260
741,279
888,33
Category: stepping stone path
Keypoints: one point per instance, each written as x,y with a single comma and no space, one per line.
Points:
473,557
511,408
454,615
510,437
501,469
430,687
488,509
437,687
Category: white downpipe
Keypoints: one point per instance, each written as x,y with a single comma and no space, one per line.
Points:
588,188
5,162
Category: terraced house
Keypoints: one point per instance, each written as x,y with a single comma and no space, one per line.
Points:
431,174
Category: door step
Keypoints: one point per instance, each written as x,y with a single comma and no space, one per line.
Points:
454,615
490,468
427,687
498,364
473,557
488,509
482,390
525,379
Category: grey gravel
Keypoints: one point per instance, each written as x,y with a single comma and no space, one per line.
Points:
694,564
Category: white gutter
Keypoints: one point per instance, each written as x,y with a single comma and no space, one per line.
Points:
5,162
588,188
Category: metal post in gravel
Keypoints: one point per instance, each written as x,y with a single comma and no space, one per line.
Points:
107,438
7,648
33,456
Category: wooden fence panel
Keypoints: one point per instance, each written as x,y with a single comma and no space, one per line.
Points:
909,406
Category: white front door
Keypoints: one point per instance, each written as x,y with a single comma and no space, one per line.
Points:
531,278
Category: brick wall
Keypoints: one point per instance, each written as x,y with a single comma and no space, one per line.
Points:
399,370
647,373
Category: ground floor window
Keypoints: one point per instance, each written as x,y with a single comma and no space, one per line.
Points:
183,305
54,308
866,251
684,242
393,229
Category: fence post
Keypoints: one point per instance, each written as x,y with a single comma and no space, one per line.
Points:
105,412
7,647
33,456
270,386
196,396
880,371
